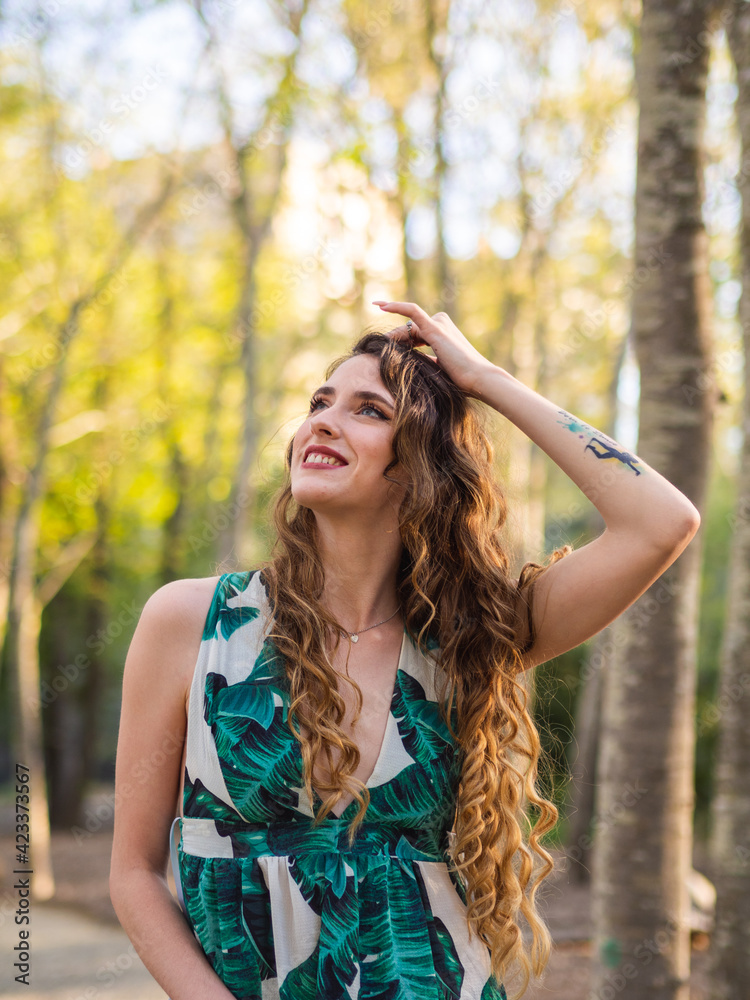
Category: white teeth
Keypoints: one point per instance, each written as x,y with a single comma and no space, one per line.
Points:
323,459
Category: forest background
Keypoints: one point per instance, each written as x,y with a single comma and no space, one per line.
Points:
200,201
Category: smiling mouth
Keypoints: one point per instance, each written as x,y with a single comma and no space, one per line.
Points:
320,461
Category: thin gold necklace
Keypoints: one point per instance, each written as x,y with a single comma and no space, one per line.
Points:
354,636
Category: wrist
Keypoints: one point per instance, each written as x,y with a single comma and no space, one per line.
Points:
488,379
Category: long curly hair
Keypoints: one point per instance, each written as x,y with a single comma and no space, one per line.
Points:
456,594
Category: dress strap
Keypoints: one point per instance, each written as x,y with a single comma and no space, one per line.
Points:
176,867
175,864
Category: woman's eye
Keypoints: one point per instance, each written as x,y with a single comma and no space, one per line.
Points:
315,403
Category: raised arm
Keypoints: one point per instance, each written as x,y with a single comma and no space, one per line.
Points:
648,521
158,670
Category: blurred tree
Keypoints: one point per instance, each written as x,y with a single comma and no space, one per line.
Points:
73,686
254,200
730,834
490,145
643,847
584,748
35,577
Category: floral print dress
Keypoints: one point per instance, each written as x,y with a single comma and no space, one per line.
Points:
283,909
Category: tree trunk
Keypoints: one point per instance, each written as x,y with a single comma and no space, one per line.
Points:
174,528
6,538
587,742
643,848
730,845
98,611
253,206
402,200
27,599
585,746
436,30
30,742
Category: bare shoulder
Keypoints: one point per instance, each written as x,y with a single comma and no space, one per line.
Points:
182,605
169,632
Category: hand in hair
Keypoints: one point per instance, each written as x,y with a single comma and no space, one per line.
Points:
453,352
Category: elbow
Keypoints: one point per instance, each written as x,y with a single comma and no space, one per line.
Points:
123,879
127,890
115,896
681,527
688,522
117,888
694,521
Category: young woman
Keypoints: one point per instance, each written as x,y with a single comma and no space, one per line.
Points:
343,731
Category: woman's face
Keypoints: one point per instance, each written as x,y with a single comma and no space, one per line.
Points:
352,416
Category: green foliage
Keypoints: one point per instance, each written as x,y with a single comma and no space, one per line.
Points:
717,538
146,436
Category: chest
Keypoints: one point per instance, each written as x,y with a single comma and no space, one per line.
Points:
372,666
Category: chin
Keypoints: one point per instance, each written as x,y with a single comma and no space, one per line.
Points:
307,496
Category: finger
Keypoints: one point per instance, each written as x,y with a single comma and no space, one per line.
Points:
410,309
401,336
406,335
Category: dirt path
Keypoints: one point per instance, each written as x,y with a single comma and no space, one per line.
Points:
76,957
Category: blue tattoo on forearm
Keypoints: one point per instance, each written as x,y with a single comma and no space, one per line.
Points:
601,445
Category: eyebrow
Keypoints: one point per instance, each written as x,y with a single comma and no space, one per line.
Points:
329,390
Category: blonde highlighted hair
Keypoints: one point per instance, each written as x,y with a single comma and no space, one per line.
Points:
455,592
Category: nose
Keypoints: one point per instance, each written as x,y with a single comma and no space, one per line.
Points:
322,421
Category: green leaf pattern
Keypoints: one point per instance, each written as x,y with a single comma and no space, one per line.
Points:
296,912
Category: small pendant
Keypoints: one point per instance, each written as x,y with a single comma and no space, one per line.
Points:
354,638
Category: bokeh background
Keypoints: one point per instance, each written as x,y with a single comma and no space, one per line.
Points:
198,203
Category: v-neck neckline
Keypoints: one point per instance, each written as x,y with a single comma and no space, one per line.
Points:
384,741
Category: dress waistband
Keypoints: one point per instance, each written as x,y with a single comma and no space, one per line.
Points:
208,838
